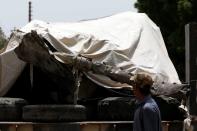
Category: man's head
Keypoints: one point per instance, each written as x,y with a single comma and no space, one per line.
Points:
142,84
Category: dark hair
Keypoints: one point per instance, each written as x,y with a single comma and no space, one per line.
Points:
145,89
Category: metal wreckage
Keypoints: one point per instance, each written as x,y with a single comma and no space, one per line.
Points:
69,78
89,85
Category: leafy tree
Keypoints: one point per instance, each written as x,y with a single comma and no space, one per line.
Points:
3,39
171,16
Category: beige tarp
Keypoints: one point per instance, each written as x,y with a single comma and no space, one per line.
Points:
128,40
10,66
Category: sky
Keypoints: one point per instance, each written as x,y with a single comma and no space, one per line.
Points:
14,13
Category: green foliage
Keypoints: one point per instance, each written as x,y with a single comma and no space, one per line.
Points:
171,16
3,39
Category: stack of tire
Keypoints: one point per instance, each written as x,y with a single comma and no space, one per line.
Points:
116,108
108,109
123,108
17,109
54,113
11,108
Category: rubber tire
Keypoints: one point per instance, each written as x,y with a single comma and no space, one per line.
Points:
11,108
54,113
169,108
123,108
116,108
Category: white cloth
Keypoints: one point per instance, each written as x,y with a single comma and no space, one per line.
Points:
127,40
10,66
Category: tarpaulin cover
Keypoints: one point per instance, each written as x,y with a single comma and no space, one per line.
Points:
10,66
128,40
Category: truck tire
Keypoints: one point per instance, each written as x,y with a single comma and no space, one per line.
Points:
54,113
116,108
11,108
123,108
169,108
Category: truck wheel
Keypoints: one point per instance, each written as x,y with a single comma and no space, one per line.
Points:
169,108
54,113
116,108
11,108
